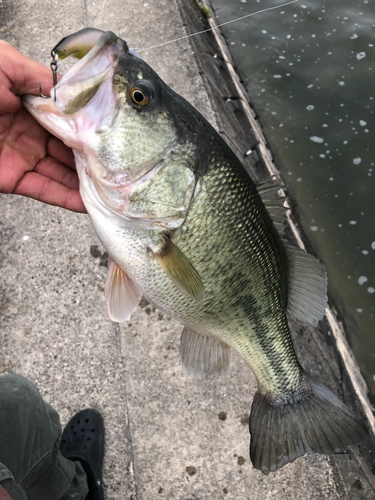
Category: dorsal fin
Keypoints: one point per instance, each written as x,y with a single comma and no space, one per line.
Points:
274,201
307,294
202,355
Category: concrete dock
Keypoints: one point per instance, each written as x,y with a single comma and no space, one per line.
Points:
168,436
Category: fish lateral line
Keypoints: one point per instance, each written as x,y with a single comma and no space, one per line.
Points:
216,27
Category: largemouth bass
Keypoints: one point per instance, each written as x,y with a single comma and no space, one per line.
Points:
187,228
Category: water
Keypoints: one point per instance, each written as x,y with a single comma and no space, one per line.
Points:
310,71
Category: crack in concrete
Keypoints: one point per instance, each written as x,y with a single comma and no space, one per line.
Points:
131,469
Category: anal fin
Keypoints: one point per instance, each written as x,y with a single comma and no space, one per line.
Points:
202,355
121,294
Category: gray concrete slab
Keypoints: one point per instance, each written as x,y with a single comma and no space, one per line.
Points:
165,438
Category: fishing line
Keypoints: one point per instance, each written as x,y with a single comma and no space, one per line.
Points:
218,26
54,61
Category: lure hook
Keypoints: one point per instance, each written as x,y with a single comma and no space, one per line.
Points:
53,67
41,93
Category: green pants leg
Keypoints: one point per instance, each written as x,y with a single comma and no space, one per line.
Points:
31,465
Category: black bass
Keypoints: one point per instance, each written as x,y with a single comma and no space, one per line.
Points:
187,228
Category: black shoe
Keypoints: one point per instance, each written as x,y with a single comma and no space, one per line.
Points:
83,440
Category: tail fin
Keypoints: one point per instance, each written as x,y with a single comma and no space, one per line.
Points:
319,423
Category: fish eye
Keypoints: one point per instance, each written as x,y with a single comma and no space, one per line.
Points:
140,96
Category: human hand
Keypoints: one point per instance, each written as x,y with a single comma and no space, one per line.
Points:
33,162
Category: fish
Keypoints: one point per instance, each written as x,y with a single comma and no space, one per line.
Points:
187,228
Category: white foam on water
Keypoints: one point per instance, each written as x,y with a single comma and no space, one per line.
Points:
317,139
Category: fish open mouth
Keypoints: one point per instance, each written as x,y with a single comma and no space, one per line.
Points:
81,81
90,76
102,56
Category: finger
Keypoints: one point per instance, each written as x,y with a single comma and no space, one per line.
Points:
24,74
12,102
36,77
51,168
38,187
62,153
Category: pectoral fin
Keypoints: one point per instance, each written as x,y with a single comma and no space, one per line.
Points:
179,269
121,294
203,356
